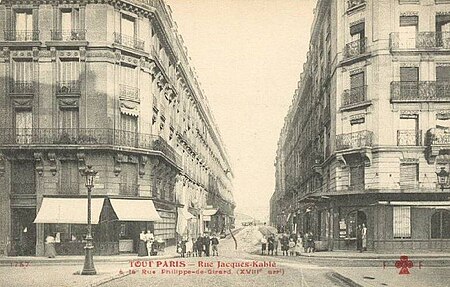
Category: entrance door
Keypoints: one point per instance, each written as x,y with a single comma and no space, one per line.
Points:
23,232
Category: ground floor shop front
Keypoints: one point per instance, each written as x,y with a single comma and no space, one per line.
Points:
392,222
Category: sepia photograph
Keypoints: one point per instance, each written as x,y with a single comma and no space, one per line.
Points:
225,143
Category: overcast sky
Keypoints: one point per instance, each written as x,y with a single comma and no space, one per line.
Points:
248,55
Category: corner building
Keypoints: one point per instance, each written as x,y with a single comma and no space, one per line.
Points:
107,84
369,127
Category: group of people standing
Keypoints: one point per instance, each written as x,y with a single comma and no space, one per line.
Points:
361,238
291,245
146,244
203,245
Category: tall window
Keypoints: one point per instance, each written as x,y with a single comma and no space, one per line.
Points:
128,180
128,130
408,31
22,177
23,26
69,177
440,224
409,133
409,82
357,32
357,88
69,75
443,31
69,26
24,125
402,222
127,26
443,80
22,76
357,175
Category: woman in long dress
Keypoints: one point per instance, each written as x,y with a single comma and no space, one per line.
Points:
142,249
50,251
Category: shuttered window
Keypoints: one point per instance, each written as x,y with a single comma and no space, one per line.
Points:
68,119
409,21
128,180
69,178
409,175
24,125
357,80
401,222
409,74
22,71
357,29
357,176
443,74
69,70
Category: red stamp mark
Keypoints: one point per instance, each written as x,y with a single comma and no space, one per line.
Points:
404,264
23,264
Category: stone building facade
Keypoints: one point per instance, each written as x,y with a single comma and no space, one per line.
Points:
107,84
369,127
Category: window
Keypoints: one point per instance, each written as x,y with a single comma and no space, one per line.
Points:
443,81
22,177
409,82
440,225
443,31
408,31
69,26
23,26
69,75
409,133
127,26
357,176
357,89
128,130
69,176
401,222
22,77
67,232
354,219
68,125
24,125
409,175
128,180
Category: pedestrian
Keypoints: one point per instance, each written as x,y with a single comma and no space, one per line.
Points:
149,240
199,244
263,244
275,244
50,250
189,247
291,247
285,244
142,248
206,244
359,238
310,242
300,244
215,245
364,237
270,244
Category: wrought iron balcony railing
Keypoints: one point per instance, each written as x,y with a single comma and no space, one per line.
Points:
420,40
354,3
420,90
354,140
409,137
21,35
68,87
87,137
354,96
129,93
355,48
128,41
128,189
437,136
21,87
69,35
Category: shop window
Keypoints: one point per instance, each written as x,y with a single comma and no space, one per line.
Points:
401,222
440,225
22,177
66,232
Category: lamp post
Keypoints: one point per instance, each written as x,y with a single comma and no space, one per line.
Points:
442,176
88,268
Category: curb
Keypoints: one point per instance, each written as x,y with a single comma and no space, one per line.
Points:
342,279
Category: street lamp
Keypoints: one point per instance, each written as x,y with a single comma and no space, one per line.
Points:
88,268
442,176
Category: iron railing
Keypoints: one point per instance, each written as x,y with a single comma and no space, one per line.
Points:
354,3
129,93
68,87
437,136
355,48
21,87
420,40
21,35
69,35
354,140
409,137
420,90
86,137
128,41
127,189
354,96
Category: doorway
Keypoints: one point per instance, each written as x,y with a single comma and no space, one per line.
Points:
23,232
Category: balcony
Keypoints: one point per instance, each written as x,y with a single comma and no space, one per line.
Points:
437,140
68,87
355,48
354,140
420,91
420,41
353,4
128,189
129,93
22,35
22,87
409,137
128,41
69,35
64,137
354,97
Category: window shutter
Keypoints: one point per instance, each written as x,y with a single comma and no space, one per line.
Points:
443,74
357,80
402,221
408,175
409,20
409,74
357,176
357,29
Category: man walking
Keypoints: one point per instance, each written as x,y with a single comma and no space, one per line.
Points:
214,244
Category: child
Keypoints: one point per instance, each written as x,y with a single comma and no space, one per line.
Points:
291,247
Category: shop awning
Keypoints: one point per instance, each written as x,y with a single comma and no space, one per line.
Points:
209,212
135,209
68,210
417,203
